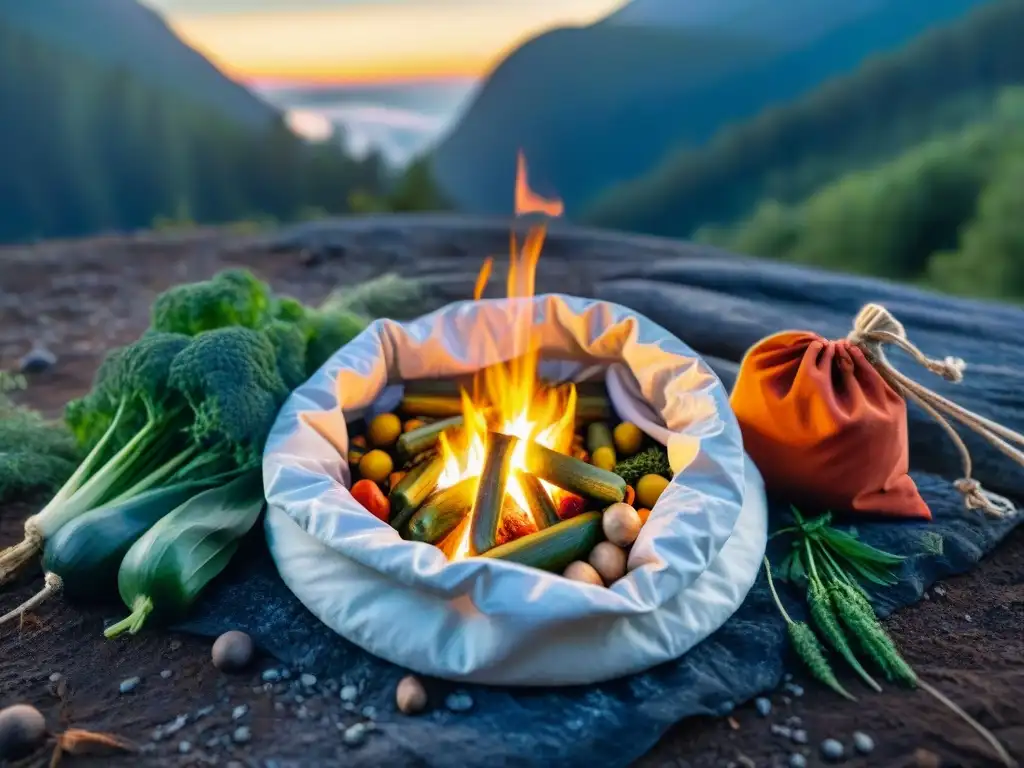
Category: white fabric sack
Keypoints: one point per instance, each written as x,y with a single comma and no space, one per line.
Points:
490,621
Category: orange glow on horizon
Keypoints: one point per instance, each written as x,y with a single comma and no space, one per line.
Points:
366,44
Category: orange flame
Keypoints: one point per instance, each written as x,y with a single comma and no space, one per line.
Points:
506,398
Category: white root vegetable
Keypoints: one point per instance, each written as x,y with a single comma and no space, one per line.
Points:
621,524
609,561
580,571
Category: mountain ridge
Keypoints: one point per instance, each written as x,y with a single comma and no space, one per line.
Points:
128,34
594,131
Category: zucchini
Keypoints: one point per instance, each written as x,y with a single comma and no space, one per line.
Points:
590,408
599,436
436,405
542,508
490,494
81,560
169,566
552,549
412,490
442,512
573,475
411,444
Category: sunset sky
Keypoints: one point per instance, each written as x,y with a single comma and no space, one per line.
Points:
359,41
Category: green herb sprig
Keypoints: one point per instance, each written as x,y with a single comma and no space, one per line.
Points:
832,563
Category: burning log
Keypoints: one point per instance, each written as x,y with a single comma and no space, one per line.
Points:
421,439
442,512
490,495
571,474
516,522
542,508
413,489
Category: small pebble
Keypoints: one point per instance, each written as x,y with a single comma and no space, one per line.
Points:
204,711
863,743
783,731
22,730
37,360
355,735
967,617
184,747
799,736
763,705
286,674
794,721
458,702
241,735
795,689
410,696
786,700
940,591
270,676
232,651
213,743
56,677
175,645
832,750
302,713
308,680
239,712
129,685
348,706
166,674
349,693
787,677
299,698
369,712
797,760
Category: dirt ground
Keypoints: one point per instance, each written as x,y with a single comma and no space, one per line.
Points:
81,298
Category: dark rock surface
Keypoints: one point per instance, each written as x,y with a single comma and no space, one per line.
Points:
720,305
87,296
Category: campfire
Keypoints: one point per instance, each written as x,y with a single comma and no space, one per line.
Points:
502,461
508,409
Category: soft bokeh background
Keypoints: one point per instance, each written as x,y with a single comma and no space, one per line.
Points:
883,137
393,73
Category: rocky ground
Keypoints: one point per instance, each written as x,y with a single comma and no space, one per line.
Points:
161,691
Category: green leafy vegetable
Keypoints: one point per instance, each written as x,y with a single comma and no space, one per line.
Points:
653,461
36,455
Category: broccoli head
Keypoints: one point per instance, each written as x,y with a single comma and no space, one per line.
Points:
230,379
234,297
288,309
331,329
146,367
290,343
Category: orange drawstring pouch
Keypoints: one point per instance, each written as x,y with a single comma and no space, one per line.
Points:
826,421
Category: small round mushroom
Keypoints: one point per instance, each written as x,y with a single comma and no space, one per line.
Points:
410,696
609,561
621,524
580,571
22,730
232,651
